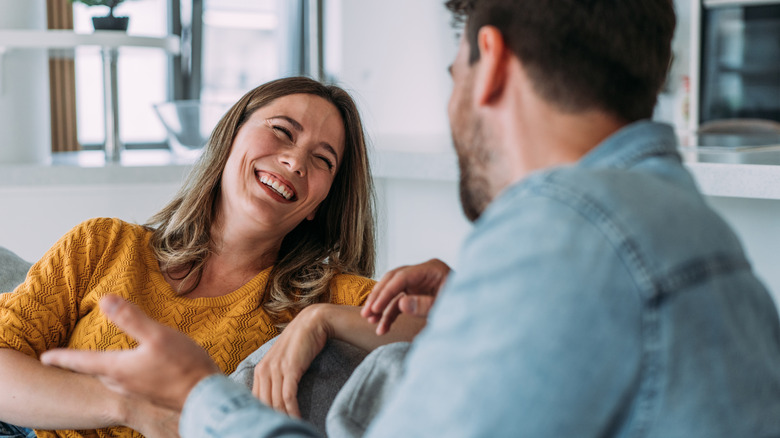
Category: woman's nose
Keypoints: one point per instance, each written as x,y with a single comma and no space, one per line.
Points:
294,161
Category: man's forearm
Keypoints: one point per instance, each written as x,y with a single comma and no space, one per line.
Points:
219,407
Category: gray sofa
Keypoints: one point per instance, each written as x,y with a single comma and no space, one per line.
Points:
12,270
335,391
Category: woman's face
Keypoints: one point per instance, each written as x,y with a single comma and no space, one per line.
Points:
282,163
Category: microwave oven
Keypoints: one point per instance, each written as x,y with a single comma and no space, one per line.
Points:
739,61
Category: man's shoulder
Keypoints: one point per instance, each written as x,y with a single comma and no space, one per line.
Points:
655,225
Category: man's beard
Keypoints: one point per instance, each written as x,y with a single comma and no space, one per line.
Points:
473,162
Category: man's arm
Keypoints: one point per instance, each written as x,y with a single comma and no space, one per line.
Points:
538,333
165,367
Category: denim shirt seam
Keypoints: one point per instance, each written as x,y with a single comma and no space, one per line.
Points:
651,367
698,270
654,287
624,245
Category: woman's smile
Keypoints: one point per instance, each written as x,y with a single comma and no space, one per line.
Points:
276,185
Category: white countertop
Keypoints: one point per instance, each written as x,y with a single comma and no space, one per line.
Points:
758,181
158,166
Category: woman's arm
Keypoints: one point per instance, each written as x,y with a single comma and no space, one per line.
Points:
277,375
43,397
50,398
345,323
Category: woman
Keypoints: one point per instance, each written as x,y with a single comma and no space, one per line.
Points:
275,216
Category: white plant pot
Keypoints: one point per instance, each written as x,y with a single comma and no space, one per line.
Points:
25,122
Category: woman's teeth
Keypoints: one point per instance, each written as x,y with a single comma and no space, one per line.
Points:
278,188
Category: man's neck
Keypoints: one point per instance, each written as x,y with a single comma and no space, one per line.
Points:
541,136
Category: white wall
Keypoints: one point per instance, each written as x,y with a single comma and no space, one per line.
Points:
393,56
757,223
418,220
34,218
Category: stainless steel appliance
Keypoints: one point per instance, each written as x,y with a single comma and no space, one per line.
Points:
737,114
740,60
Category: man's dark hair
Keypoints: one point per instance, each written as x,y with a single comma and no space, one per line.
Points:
613,55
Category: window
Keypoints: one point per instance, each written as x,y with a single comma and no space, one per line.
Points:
142,77
228,48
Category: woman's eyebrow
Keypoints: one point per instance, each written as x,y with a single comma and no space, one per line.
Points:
297,126
330,149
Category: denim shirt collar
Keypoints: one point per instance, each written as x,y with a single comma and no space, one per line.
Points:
621,150
632,144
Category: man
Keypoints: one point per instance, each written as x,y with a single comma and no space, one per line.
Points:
598,294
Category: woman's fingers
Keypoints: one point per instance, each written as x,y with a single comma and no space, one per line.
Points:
277,399
290,395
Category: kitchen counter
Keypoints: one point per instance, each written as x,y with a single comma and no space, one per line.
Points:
731,179
159,166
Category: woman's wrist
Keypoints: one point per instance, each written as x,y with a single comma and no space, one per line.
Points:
319,317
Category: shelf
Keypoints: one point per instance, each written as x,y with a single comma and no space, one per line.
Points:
67,39
109,43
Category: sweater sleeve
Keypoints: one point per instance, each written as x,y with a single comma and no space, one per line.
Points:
350,290
42,312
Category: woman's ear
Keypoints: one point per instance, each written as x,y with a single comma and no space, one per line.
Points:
313,214
491,74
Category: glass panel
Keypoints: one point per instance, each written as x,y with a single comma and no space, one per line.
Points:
246,43
741,63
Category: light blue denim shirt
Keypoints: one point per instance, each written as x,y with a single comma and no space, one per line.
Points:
602,299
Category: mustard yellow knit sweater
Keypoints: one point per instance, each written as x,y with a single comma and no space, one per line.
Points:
56,306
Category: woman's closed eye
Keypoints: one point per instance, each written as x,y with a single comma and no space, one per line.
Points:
285,131
327,161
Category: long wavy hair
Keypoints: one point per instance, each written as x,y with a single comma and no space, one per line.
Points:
340,239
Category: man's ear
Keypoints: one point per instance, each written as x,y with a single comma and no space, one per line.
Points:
491,74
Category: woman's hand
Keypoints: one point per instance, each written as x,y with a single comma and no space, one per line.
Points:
277,375
408,289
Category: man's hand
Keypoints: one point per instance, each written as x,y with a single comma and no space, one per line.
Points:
408,289
151,420
164,367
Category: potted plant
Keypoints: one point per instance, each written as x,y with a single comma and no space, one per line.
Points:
108,22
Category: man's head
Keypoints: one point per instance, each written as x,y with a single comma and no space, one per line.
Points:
612,55
577,57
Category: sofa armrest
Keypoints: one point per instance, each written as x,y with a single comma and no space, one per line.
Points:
13,270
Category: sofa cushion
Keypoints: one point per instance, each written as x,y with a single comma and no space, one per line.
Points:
367,391
321,382
13,270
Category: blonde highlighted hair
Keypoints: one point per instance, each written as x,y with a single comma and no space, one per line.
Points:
340,239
